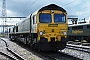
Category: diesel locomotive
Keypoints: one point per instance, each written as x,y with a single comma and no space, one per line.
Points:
79,32
45,29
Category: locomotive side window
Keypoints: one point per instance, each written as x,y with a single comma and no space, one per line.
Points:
88,26
9,30
13,28
77,27
34,19
16,28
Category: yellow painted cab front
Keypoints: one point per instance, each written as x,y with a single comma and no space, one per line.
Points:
52,28
52,24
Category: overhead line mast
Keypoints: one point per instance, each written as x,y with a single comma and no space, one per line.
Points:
4,14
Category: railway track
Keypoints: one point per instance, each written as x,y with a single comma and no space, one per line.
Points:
56,55
79,43
50,55
60,55
85,47
15,55
7,56
53,55
79,48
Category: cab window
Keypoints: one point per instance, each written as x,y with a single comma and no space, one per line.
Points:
59,18
45,18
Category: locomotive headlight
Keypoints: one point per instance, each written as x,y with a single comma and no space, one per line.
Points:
64,33
41,33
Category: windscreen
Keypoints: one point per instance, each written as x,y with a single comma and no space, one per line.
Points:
59,18
45,18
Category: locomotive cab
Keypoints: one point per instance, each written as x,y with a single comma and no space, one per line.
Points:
52,28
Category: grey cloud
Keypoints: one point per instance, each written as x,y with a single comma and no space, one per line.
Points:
18,6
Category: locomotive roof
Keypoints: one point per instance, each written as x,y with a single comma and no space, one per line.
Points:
79,24
52,7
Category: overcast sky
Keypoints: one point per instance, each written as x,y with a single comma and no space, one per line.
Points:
26,7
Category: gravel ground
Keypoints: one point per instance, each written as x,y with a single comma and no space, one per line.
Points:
27,55
79,54
4,50
4,58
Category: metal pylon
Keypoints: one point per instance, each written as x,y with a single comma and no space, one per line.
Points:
4,14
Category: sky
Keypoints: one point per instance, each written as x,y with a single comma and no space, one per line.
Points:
23,8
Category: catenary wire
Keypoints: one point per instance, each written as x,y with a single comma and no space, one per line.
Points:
69,2
28,7
25,5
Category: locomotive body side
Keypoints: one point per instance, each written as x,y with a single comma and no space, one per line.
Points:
79,32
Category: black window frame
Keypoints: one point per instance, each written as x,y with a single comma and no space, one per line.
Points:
77,27
88,26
